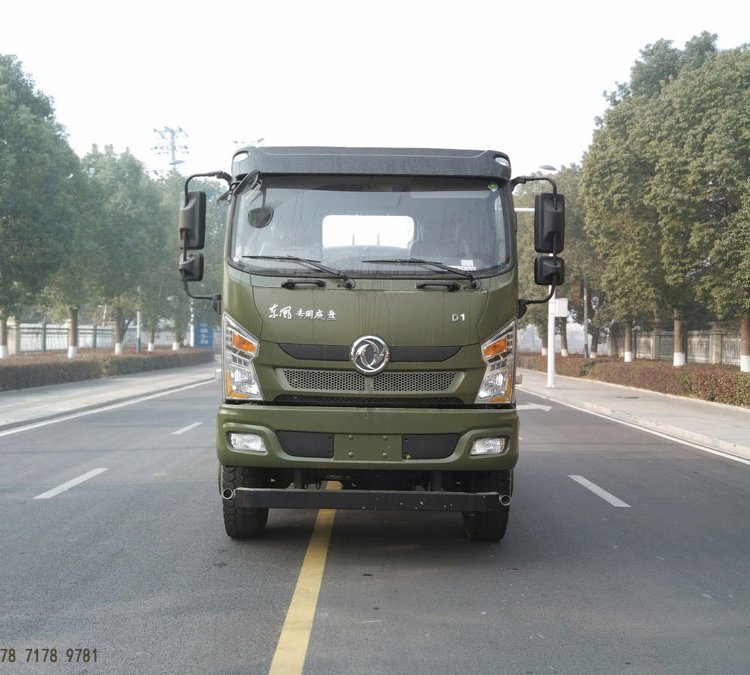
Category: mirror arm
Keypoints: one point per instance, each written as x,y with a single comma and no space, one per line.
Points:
223,175
523,304
214,298
521,180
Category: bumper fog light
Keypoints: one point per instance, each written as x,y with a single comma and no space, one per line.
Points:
248,443
489,446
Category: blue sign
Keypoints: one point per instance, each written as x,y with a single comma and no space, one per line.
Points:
203,336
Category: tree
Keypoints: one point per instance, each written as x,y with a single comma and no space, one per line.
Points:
621,227
731,251
73,286
702,160
127,233
635,224
37,204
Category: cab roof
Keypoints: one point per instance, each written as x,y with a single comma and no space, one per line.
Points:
291,160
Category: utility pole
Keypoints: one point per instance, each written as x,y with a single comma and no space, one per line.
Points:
171,144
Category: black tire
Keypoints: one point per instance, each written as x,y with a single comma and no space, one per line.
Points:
241,523
488,525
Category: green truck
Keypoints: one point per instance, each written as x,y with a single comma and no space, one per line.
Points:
369,311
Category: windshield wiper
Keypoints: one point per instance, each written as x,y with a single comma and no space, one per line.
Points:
431,263
313,264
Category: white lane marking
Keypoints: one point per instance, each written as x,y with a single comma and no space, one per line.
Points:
114,406
534,406
600,492
71,483
184,430
653,432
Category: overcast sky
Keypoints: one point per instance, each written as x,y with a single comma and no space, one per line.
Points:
525,78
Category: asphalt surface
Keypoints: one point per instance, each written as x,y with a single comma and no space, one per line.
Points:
627,551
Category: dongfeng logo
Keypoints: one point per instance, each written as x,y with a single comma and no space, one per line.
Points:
369,354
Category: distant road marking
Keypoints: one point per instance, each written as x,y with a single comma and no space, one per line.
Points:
534,406
289,658
184,430
71,483
600,492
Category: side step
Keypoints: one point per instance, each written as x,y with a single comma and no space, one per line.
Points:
366,500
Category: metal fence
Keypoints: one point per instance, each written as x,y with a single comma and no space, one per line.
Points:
702,347
47,337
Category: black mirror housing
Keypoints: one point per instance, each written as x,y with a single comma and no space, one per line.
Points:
549,222
549,271
191,267
192,221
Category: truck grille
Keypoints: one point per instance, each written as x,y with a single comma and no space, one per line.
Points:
369,402
396,382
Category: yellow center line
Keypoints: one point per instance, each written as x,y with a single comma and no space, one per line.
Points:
289,658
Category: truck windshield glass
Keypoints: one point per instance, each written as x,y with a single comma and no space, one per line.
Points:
345,222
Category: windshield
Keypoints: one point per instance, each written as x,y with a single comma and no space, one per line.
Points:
370,226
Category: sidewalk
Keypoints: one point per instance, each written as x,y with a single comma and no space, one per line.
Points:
26,406
713,425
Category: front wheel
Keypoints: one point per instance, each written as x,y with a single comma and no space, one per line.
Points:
488,525
242,523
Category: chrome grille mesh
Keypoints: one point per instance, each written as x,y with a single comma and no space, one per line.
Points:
401,382
413,381
324,380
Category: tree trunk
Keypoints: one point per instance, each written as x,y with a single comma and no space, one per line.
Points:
151,340
614,346
543,335
4,337
745,344
118,330
563,323
594,341
629,354
679,358
73,333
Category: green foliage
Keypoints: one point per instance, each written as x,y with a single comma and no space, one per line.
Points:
22,372
664,185
720,384
38,176
621,227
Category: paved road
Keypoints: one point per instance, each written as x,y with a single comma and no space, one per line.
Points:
626,553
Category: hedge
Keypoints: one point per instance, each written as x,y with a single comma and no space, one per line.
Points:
721,384
20,372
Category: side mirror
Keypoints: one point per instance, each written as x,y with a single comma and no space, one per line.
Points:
192,221
549,271
549,223
191,268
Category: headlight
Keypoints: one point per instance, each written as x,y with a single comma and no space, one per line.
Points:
240,350
489,446
251,443
498,354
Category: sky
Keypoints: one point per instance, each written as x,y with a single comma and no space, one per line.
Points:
524,78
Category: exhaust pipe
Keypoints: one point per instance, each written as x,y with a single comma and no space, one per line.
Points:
505,500
227,494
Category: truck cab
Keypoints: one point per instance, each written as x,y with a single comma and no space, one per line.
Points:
369,310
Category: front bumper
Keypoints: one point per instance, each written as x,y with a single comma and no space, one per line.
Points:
369,438
372,500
